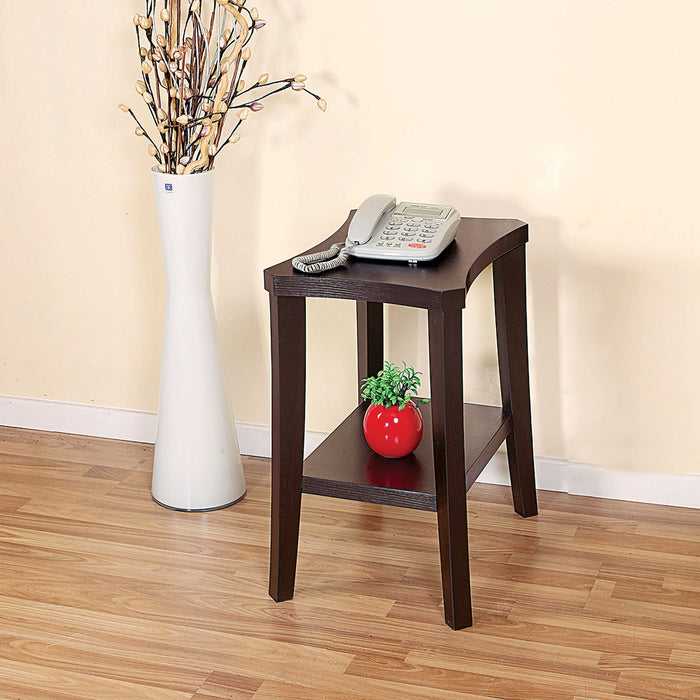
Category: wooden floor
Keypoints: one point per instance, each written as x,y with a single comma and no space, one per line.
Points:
104,594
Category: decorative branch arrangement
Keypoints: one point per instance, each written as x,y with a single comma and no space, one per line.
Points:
192,77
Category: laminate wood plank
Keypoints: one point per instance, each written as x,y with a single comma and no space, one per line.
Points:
74,448
577,630
162,643
231,686
19,679
660,685
568,562
110,665
548,675
356,688
9,503
569,506
639,543
687,654
494,681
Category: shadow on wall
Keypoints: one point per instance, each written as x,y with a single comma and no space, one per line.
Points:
236,272
545,265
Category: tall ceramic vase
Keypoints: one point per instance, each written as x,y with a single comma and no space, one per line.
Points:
197,464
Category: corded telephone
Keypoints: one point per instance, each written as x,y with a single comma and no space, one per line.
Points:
382,230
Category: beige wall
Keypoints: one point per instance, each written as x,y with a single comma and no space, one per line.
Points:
580,118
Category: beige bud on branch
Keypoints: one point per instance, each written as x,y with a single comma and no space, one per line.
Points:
140,87
212,150
139,131
245,54
235,138
147,98
160,113
297,86
137,20
145,22
241,85
254,13
322,105
146,67
152,150
183,119
172,92
162,127
160,40
164,148
243,114
144,51
263,78
299,78
224,67
165,14
179,169
123,107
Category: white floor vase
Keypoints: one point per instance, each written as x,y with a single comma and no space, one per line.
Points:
197,464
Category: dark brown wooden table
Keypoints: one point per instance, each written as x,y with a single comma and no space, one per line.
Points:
464,436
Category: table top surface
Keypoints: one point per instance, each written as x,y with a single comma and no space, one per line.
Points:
441,283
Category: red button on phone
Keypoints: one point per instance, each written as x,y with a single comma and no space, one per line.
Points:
416,245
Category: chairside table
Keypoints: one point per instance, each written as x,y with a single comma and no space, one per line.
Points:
464,436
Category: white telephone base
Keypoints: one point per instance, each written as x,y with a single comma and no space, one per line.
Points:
410,231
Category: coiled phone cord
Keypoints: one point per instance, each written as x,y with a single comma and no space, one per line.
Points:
336,256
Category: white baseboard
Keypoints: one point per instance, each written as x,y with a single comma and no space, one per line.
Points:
79,419
552,474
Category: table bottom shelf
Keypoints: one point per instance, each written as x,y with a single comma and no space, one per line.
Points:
344,466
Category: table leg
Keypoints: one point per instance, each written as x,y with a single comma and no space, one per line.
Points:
446,403
511,333
288,335
370,340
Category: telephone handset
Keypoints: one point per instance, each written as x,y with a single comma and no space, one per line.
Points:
382,230
368,215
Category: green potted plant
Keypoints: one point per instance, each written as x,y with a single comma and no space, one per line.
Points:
393,425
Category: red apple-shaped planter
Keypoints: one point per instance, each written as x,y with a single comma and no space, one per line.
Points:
393,432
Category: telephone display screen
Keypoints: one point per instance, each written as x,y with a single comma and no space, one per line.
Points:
415,211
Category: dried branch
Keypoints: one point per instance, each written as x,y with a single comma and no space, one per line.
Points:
193,55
